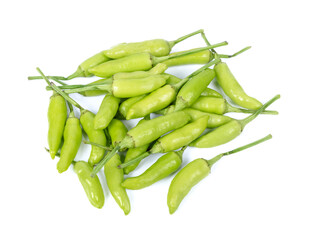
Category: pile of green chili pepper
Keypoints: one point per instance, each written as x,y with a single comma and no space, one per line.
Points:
135,85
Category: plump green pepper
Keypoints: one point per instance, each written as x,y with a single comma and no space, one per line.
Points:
194,172
114,178
107,110
91,185
233,89
117,131
126,105
163,167
202,57
72,141
94,135
57,115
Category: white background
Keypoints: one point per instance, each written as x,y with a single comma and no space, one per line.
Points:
263,193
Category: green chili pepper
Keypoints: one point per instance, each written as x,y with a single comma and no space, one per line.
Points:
202,57
92,93
156,47
117,132
72,141
125,88
147,132
228,131
220,106
214,120
193,173
134,152
114,178
163,167
94,135
163,96
107,110
232,88
91,185
57,115
191,91
138,62
174,140
127,104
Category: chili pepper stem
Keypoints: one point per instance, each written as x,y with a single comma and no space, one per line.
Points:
106,87
156,60
97,145
180,152
105,160
235,54
54,87
248,119
183,81
231,108
180,39
55,78
212,161
135,160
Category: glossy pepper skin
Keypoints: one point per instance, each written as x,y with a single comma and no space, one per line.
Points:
180,137
130,63
163,167
72,141
107,110
114,178
214,120
91,185
57,115
233,89
157,47
117,131
191,91
133,153
152,129
94,135
127,104
184,181
195,58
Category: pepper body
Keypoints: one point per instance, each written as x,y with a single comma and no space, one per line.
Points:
192,89
57,115
117,131
202,57
210,105
214,120
152,129
131,63
184,181
83,69
114,178
94,135
180,137
91,185
106,112
133,153
219,135
156,47
172,79
72,141
126,88
162,168
153,102
233,89
127,104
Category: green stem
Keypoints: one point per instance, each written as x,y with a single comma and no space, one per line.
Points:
257,112
67,86
180,152
180,39
162,59
105,160
135,160
212,161
54,87
107,88
55,78
70,107
235,54
230,108
98,145
207,42
184,80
